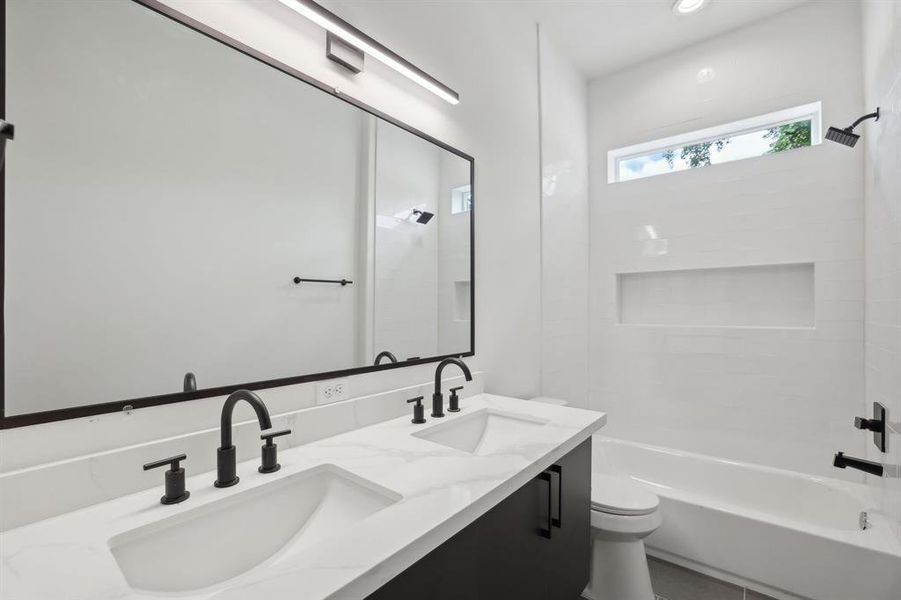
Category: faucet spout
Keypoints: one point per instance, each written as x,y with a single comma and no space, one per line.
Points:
437,397
873,468
229,407
225,457
190,383
450,361
385,354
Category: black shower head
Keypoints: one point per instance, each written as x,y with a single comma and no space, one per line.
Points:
842,136
422,216
846,136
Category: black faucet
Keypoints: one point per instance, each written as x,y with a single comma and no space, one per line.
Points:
873,468
385,354
190,383
225,456
437,398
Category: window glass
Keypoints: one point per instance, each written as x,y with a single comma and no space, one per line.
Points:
787,129
461,199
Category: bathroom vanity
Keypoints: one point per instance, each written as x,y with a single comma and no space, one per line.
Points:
534,544
459,507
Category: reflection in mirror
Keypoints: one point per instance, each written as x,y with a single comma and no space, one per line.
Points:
421,246
164,191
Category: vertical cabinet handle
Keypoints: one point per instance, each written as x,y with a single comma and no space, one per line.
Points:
558,520
546,532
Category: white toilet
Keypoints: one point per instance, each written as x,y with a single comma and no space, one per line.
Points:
623,513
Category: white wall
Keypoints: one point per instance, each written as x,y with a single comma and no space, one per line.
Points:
777,396
882,144
564,228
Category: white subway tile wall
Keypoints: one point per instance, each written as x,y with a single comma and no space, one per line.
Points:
882,144
564,228
781,396
754,296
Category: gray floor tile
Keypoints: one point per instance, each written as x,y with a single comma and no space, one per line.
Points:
677,583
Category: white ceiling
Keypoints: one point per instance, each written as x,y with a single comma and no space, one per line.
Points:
603,36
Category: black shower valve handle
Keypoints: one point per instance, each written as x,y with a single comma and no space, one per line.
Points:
874,425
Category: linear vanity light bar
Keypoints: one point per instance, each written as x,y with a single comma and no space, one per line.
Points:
350,34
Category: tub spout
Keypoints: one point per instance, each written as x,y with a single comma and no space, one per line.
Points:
841,461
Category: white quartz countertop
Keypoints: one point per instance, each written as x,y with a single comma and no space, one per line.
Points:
439,491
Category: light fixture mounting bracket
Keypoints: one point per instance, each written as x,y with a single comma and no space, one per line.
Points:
348,56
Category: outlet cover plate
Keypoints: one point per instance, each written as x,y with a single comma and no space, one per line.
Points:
332,390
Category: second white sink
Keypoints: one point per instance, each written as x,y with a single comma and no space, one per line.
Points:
485,431
222,540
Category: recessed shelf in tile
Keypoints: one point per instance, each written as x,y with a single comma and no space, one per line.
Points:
780,295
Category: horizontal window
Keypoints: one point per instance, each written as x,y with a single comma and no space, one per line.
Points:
788,129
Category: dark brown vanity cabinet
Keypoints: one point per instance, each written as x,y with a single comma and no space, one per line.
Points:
535,544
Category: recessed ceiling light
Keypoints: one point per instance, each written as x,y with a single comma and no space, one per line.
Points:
687,7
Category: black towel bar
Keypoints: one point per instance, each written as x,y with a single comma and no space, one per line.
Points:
343,282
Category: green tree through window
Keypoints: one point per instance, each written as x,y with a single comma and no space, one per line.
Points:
697,155
788,137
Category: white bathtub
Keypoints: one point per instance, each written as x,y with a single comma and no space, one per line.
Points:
780,532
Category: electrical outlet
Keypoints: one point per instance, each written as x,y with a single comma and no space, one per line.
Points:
333,390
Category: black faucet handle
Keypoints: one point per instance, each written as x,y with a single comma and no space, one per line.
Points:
175,479
418,410
270,451
268,437
172,460
453,403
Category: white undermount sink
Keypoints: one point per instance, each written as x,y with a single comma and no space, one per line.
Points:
485,431
222,540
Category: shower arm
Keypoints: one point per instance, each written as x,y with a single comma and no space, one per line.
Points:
874,115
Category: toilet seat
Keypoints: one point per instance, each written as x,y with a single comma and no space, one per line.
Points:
621,496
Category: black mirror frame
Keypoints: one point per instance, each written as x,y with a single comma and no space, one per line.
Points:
9,422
